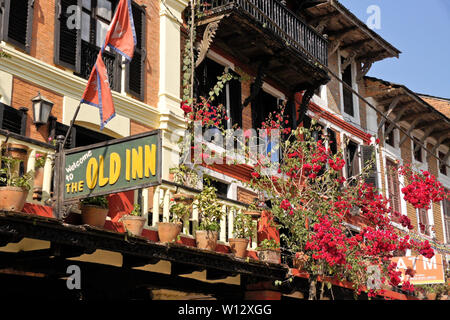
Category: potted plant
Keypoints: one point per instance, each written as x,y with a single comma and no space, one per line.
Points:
15,190
269,251
299,260
180,209
94,211
39,164
18,152
210,213
134,222
243,226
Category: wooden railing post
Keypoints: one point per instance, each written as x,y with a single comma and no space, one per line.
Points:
58,187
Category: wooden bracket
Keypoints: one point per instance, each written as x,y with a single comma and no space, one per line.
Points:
208,36
257,84
350,59
364,69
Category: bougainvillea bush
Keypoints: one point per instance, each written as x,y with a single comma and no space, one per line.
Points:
311,201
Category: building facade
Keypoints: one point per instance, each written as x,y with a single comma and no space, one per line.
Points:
49,48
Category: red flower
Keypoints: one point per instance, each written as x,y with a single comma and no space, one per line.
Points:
255,175
186,108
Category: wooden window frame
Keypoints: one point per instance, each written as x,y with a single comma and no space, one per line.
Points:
5,24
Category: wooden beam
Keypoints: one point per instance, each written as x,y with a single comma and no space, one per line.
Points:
441,139
340,34
356,44
425,136
411,128
391,108
392,125
334,46
413,115
327,17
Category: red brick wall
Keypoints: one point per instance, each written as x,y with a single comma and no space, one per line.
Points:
43,37
23,92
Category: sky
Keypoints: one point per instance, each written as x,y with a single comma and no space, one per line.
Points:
420,29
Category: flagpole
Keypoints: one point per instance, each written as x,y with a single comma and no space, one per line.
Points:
71,125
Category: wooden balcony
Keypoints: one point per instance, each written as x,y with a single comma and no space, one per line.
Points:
266,34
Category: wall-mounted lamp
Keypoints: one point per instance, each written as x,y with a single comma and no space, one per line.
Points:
41,110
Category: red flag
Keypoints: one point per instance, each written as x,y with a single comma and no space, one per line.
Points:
98,93
121,35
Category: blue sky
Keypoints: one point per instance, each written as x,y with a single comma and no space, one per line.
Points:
421,31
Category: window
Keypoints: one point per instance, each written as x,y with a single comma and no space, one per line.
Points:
390,138
442,164
348,95
418,152
424,227
222,188
446,209
12,119
393,188
17,22
78,48
230,97
79,136
352,159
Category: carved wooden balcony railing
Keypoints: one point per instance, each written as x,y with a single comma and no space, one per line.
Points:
267,34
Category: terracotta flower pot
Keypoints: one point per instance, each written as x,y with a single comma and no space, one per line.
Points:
12,198
168,231
239,247
38,179
431,296
272,256
93,215
134,224
206,239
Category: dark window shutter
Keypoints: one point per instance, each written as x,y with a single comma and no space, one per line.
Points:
366,154
67,40
11,119
18,22
135,71
236,102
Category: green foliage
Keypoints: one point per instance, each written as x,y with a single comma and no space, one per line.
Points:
185,176
9,174
99,201
136,210
180,210
243,225
267,244
209,209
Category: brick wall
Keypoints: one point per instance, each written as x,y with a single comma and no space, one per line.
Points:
436,207
137,127
406,153
43,37
23,92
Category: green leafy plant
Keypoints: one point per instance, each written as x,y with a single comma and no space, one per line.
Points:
99,201
268,244
39,160
209,210
243,225
180,210
136,210
10,177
